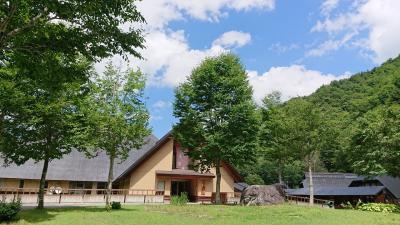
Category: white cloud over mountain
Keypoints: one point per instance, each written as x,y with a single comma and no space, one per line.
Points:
380,19
291,81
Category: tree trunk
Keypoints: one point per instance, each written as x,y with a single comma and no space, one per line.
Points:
109,180
42,184
218,183
280,176
310,183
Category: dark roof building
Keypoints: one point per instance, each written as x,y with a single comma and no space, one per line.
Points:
240,186
348,187
76,166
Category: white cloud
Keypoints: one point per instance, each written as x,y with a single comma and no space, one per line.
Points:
169,58
330,45
328,6
381,20
160,104
291,81
233,39
159,13
281,48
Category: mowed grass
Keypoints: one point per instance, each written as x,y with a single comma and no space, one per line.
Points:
203,214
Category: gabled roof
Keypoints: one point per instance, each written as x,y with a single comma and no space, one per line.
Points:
331,179
144,156
391,183
240,186
231,170
339,191
76,166
342,180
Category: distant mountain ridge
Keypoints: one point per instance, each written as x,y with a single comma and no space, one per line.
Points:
346,102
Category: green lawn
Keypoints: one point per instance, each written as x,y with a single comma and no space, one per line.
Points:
202,214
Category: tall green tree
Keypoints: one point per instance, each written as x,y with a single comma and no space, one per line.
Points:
274,134
376,142
95,29
217,118
42,120
307,134
117,115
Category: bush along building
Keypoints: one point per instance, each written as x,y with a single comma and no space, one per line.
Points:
348,187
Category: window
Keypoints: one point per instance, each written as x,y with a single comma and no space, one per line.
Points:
101,185
77,186
21,184
161,185
174,157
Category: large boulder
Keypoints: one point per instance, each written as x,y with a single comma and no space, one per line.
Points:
263,195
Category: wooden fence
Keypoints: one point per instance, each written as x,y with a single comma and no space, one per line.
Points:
306,200
29,195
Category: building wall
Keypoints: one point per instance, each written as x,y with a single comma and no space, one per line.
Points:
10,183
227,181
14,183
204,187
144,176
31,184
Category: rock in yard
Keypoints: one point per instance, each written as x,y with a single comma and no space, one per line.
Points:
263,195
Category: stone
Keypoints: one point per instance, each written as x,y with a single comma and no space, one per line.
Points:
263,195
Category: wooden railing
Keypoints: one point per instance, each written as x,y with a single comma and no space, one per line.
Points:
306,200
138,192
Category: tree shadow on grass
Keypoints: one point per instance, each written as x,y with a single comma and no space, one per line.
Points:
88,209
49,214
35,215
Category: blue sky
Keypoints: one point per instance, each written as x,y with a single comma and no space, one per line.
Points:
291,46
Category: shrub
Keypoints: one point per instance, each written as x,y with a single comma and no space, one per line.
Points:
179,199
115,205
347,205
379,207
8,211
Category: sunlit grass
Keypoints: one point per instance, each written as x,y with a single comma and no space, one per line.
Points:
203,214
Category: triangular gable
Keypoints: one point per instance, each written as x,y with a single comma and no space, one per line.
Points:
231,170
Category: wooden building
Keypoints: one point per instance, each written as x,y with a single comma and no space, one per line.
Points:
348,187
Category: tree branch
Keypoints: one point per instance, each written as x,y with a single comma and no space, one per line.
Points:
4,24
31,23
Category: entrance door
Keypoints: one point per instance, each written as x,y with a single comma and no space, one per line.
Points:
177,187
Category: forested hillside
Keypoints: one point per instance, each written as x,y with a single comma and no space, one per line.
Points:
361,92
358,129
348,103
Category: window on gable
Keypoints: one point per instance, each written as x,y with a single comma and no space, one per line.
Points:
174,157
21,183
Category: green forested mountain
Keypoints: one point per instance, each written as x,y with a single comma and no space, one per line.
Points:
361,92
349,103
361,123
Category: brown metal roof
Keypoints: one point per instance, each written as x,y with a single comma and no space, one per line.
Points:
180,172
